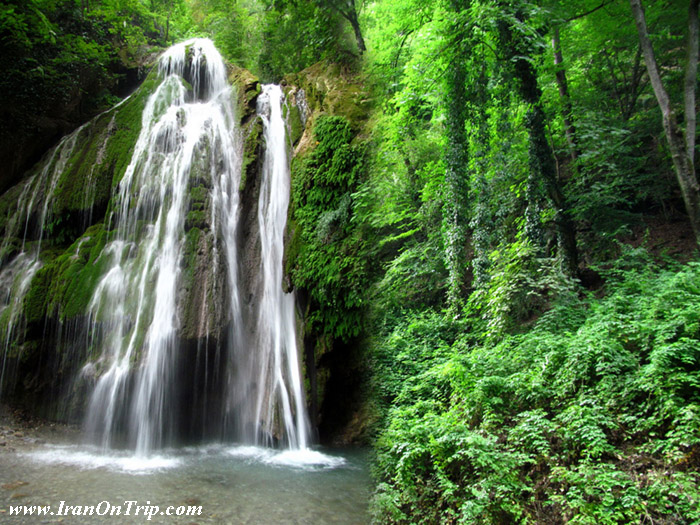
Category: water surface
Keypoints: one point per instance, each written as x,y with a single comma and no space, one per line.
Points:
233,484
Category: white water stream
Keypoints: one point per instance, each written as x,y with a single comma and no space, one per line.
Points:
31,219
267,387
134,311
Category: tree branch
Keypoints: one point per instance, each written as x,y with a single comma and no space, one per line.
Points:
601,6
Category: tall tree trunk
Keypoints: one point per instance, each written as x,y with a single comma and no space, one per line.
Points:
349,12
456,198
358,33
567,108
541,157
682,155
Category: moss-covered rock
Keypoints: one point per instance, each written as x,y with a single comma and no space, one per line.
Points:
201,308
248,88
326,88
99,159
295,124
196,219
252,151
64,286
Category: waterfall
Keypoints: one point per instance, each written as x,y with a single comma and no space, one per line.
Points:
31,219
189,138
268,387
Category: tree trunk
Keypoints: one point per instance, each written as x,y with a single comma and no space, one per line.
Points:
351,16
347,10
456,184
541,156
456,195
567,109
683,159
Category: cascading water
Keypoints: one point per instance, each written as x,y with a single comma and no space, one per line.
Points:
134,310
189,137
267,386
31,218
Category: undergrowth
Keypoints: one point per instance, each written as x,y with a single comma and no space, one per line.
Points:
590,417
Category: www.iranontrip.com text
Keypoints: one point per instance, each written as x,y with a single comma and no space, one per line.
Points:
105,508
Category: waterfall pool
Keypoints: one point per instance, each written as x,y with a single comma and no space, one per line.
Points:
232,484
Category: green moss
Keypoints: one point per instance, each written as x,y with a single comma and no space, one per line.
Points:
199,198
296,127
330,90
247,90
251,151
196,219
191,254
64,286
35,302
99,159
84,272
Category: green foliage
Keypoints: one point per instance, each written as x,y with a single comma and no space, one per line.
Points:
535,402
233,27
589,417
63,287
326,256
298,36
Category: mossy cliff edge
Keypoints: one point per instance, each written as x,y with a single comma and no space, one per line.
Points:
327,114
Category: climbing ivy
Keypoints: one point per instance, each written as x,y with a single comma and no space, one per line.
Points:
326,253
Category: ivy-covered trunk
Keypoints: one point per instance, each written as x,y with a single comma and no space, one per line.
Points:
541,157
456,202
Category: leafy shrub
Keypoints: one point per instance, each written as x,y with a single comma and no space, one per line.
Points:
326,254
592,416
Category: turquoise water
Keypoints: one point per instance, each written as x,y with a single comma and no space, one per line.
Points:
233,485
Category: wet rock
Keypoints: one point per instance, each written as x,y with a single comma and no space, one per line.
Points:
14,485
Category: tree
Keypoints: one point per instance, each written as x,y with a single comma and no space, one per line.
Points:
456,160
682,151
541,157
345,8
